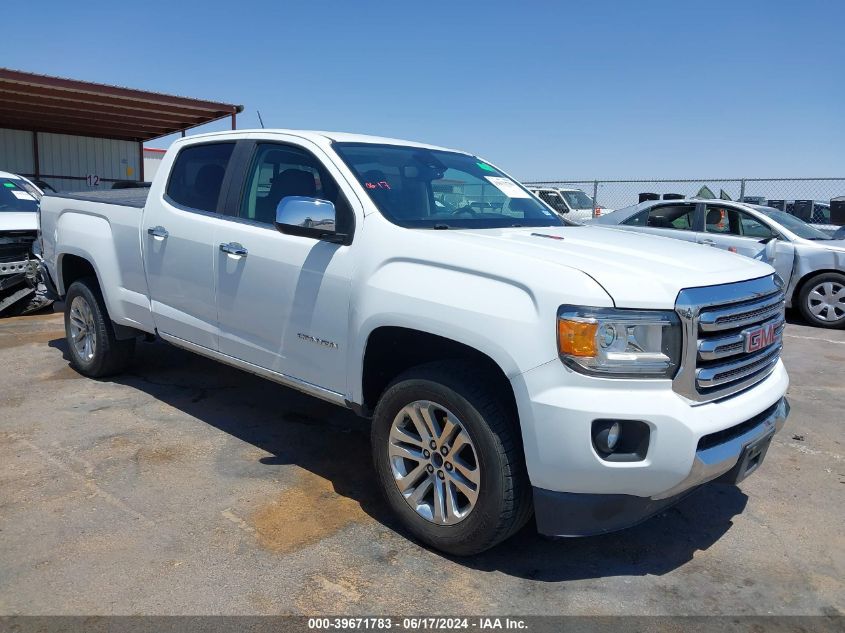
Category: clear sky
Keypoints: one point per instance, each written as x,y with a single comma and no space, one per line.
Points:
562,90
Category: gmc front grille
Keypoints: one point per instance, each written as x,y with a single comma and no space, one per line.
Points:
717,322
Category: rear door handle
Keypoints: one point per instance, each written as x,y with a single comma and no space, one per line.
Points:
233,248
708,242
158,232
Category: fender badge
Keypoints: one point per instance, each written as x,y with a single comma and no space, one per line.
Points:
318,341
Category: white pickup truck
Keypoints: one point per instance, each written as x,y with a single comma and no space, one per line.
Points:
510,362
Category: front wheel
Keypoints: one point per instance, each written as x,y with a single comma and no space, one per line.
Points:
822,300
94,350
448,458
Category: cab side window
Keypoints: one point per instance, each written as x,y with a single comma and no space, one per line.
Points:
279,171
730,221
197,175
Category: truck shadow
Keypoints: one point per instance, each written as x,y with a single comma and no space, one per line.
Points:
333,444
655,547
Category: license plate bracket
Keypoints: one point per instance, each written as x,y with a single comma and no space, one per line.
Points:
752,456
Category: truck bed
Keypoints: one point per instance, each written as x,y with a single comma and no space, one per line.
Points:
124,197
104,228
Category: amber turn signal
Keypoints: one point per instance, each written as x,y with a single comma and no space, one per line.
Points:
576,338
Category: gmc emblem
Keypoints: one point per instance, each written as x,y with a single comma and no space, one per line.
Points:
760,337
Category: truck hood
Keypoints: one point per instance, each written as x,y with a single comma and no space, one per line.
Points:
18,221
635,269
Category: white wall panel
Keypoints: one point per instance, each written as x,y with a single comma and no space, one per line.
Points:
63,155
16,154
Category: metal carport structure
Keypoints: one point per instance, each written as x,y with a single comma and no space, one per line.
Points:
38,112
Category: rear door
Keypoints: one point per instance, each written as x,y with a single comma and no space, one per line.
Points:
676,220
177,234
283,300
738,231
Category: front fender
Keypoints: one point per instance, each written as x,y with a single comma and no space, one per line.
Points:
508,320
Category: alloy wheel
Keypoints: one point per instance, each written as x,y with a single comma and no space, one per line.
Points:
82,329
434,462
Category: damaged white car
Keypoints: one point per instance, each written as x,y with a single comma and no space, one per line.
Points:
20,289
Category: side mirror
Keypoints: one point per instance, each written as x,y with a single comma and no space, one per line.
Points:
308,217
770,250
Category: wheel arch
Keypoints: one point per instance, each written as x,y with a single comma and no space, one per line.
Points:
73,266
390,350
802,281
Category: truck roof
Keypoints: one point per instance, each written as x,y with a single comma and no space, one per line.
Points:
322,137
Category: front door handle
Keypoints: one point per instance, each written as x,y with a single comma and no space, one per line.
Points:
233,248
708,242
158,232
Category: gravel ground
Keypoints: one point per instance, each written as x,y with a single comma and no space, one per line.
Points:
187,487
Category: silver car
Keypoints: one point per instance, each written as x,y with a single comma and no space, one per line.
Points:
811,262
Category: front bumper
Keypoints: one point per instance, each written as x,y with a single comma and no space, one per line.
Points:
689,443
731,454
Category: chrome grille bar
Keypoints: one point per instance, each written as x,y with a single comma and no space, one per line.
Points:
733,344
714,320
709,377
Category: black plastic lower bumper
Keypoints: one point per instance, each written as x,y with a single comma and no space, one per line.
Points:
578,514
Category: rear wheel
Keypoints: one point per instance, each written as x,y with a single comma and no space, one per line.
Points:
449,460
94,350
822,300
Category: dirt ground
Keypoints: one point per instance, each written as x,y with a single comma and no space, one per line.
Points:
187,487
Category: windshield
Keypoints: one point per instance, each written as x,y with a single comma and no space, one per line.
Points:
15,196
422,188
796,225
577,199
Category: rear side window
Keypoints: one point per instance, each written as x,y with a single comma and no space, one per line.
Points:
672,216
197,175
640,219
553,199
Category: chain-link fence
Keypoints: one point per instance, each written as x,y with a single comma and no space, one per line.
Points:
808,198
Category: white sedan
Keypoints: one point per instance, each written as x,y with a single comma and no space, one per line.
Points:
810,261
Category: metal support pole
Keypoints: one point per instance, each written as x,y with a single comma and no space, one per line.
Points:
234,121
141,161
742,190
35,158
595,197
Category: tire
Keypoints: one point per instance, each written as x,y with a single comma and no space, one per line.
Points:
86,319
822,300
500,499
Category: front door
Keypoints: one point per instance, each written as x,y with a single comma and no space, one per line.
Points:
283,300
178,232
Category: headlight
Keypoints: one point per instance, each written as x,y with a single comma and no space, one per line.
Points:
619,343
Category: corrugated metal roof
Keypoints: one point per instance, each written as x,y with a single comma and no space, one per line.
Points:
43,103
